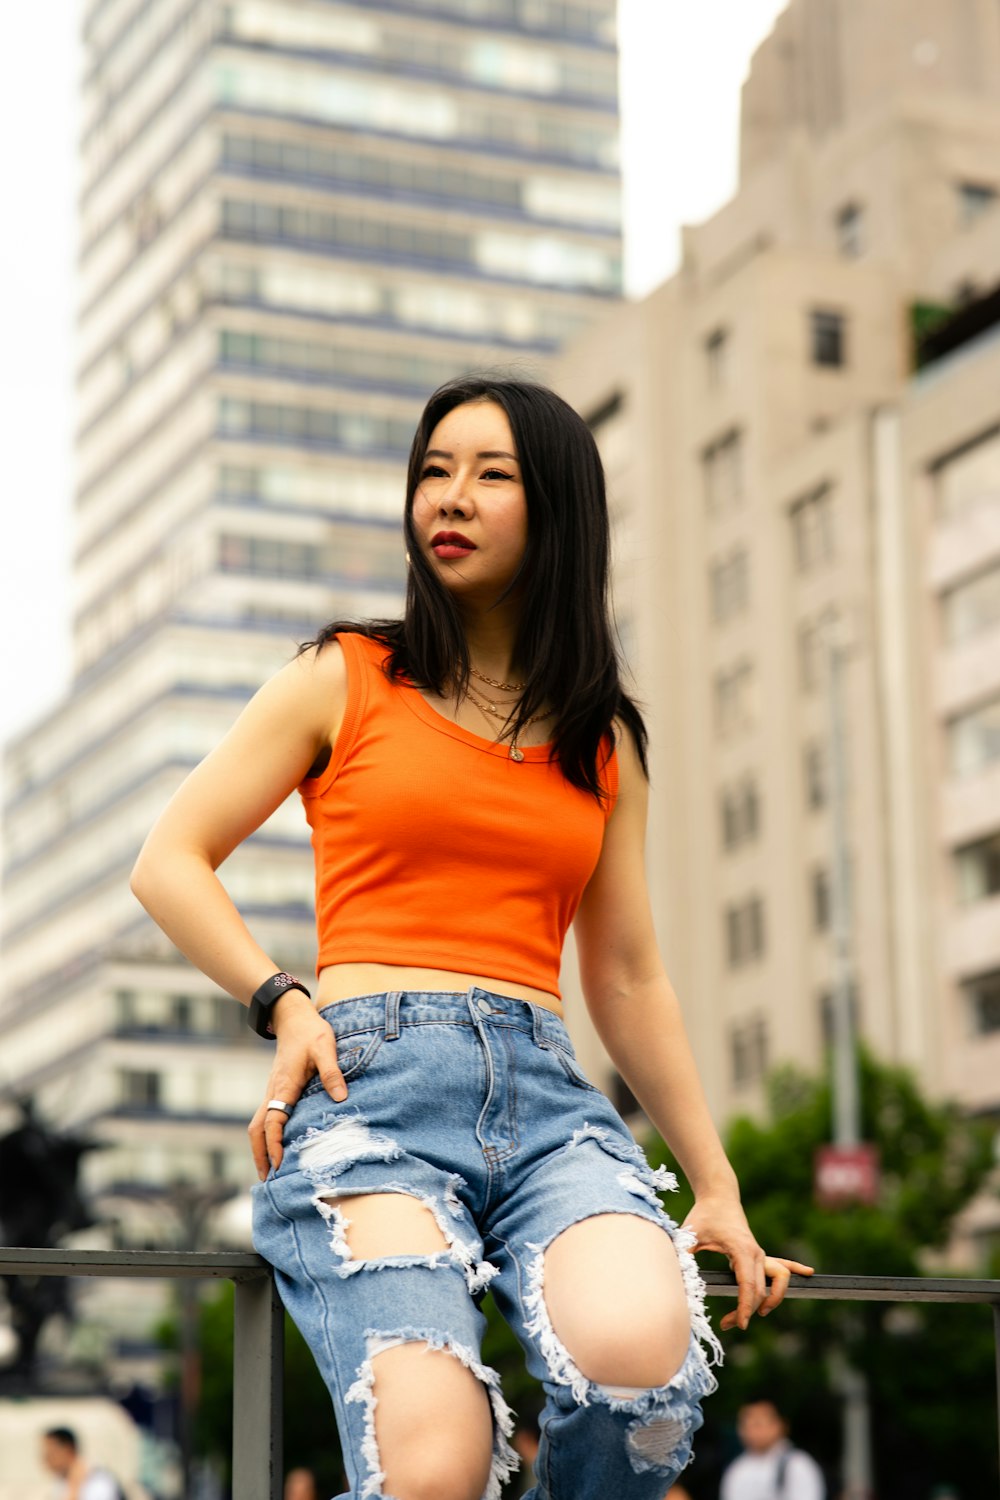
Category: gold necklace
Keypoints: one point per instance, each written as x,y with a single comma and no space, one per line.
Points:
516,753
509,687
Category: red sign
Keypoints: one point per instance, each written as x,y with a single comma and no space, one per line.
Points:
845,1174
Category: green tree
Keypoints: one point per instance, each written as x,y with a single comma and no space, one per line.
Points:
310,1433
929,1367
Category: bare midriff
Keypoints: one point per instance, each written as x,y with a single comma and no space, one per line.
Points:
344,981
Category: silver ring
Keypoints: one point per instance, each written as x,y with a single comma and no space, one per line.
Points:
278,1104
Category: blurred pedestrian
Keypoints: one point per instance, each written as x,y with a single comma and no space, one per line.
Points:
300,1484
770,1468
77,1479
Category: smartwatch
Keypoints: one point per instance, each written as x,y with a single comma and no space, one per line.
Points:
264,998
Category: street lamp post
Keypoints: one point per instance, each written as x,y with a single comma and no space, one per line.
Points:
846,1092
846,1101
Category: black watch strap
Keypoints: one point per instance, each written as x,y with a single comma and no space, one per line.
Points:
265,997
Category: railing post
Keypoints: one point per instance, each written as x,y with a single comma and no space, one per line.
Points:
258,1339
996,1348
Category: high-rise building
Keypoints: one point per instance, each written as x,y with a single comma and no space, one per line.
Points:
802,426
297,218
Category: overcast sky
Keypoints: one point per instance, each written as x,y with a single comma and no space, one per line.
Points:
682,66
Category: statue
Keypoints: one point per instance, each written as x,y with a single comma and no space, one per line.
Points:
40,1202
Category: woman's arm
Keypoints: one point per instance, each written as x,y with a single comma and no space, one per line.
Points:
638,1018
271,747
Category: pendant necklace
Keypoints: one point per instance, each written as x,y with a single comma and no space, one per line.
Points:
486,707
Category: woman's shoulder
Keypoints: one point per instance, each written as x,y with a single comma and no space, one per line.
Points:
310,688
340,670
322,663
355,641
330,657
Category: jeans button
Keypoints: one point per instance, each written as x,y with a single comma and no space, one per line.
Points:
485,1007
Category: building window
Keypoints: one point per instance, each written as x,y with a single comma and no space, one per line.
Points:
126,363
239,481
729,585
850,230
826,1014
744,931
815,762
181,1012
970,608
287,159
977,867
974,738
259,554
354,430
821,890
330,361
813,636
827,338
717,358
975,199
140,1089
125,1009
610,428
820,885
810,656
740,807
525,257
968,478
748,1051
811,519
983,1000
734,705
228,1019
723,468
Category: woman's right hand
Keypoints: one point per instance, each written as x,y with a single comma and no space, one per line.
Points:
305,1046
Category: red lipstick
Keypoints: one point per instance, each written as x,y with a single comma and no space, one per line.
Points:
451,544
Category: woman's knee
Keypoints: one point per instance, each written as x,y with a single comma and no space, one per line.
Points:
433,1426
433,1476
615,1296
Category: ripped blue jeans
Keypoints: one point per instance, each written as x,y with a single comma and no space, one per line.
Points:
475,1105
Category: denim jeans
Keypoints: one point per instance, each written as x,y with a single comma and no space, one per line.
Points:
475,1105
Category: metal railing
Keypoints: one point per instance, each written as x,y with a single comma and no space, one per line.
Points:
258,1339
259,1329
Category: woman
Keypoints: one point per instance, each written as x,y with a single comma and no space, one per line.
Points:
474,777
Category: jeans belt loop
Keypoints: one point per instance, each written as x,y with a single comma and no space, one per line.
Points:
392,1000
537,1024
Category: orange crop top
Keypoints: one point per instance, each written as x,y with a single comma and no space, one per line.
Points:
434,849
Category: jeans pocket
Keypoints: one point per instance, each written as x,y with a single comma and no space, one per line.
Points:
570,1066
355,1055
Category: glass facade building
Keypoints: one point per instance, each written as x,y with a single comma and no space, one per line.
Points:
297,219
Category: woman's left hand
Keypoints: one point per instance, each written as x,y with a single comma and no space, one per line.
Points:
720,1224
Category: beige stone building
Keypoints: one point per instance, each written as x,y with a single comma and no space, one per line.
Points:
777,461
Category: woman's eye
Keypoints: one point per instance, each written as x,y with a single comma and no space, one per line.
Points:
434,471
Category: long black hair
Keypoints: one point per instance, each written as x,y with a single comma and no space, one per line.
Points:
565,641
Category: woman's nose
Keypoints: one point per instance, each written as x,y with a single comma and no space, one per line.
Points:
454,501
